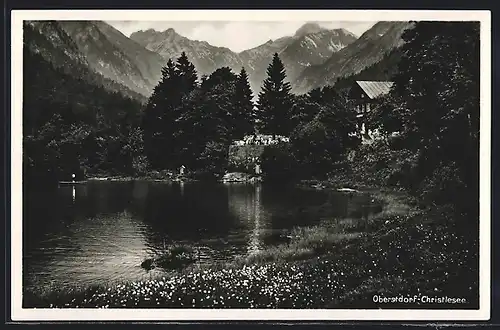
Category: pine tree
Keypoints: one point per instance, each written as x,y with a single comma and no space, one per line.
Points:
187,72
159,117
275,101
207,118
219,110
243,110
187,114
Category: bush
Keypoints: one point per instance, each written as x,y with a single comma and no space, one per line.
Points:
241,158
278,163
212,162
174,258
140,165
377,163
445,187
313,149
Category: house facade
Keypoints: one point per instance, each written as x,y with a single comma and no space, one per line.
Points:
365,94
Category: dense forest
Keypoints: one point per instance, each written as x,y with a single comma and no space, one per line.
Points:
72,126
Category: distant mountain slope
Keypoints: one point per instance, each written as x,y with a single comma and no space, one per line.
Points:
69,124
170,45
311,44
257,59
115,56
370,48
384,70
313,49
49,40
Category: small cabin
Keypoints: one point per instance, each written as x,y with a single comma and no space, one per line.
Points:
365,95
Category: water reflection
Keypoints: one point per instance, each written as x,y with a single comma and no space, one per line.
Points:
101,231
255,242
181,185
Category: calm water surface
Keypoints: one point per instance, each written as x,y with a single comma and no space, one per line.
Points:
100,232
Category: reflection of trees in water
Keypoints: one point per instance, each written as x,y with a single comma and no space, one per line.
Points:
139,195
108,197
49,213
245,203
290,206
188,213
255,242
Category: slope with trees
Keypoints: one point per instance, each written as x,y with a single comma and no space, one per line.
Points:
70,126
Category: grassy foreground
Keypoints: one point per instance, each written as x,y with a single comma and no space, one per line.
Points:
403,251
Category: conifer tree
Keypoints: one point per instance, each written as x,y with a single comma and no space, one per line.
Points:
186,114
187,72
159,117
275,101
244,111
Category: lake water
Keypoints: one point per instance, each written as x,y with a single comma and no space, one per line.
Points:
100,232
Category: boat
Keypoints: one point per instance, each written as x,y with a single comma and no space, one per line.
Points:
72,182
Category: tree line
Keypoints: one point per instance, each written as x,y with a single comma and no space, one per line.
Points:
192,123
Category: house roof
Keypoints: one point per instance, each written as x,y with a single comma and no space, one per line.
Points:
375,89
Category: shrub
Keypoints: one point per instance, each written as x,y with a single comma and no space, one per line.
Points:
377,163
213,161
445,186
140,165
175,257
278,163
241,158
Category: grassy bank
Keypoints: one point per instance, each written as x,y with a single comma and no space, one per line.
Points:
401,251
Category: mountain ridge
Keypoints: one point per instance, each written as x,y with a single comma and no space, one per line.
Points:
49,39
368,49
311,44
313,56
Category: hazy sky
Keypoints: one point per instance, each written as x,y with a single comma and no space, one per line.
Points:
235,35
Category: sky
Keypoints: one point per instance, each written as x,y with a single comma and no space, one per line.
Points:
235,35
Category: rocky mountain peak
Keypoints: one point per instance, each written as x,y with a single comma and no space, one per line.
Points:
169,31
309,28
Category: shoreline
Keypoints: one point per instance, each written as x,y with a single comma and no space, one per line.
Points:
343,272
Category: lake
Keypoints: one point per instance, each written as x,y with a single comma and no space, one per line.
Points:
100,232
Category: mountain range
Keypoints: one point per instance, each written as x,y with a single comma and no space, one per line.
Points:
367,50
313,57
311,44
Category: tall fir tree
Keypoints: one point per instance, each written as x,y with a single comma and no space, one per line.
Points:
187,114
188,74
208,118
244,107
275,101
159,116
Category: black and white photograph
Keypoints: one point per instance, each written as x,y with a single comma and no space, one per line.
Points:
250,165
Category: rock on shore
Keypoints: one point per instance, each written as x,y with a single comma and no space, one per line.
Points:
240,177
